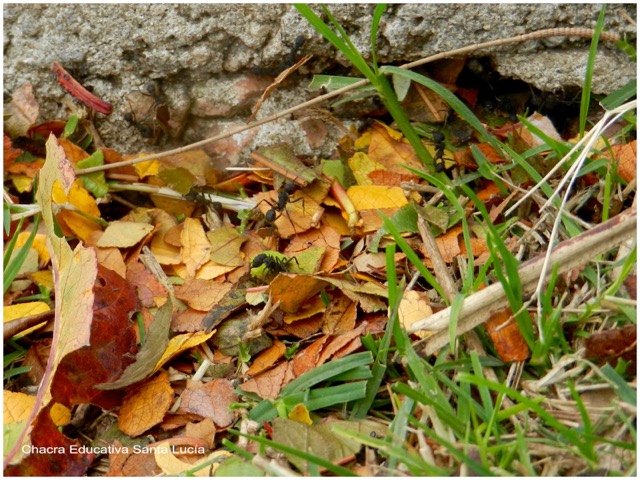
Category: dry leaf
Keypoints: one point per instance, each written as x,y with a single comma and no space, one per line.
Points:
196,248
268,384
124,234
181,343
340,316
414,306
145,406
210,400
202,294
293,291
506,337
267,358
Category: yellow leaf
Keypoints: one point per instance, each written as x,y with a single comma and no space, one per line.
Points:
81,226
363,141
180,343
371,197
211,270
396,135
44,278
148,168
60,414
300,414
124,234
23,183
361,165
77,196
196,248
39,244
145,406
17,406
21,310
414,306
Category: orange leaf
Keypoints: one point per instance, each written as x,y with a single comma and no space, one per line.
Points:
627,157
146,405
506,337
293,291
490,153
267,358
388,148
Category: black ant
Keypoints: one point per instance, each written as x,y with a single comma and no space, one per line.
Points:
156,113
199,196
284,197
438,158
272,264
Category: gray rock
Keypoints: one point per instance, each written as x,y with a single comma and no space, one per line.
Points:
198,53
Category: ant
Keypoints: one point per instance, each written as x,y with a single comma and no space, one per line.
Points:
271,263
438,158
156,113
284,197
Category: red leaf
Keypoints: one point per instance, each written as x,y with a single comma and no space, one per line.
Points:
52,452
111,349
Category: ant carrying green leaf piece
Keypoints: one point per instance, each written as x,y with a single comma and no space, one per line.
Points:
269,263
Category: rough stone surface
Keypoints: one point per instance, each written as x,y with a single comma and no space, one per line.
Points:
213,61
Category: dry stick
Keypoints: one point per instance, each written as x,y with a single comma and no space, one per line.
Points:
569,254
450,291
439,266
550,32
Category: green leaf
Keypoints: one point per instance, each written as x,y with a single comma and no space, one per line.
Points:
13,265
621,95
70,126
326,371
94,182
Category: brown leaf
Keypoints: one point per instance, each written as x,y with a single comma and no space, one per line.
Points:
325,236
202,294
340,316
210,400
268,384
145,406
150,291
123,462
23,111
610,345
293,291
279,79
506,337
